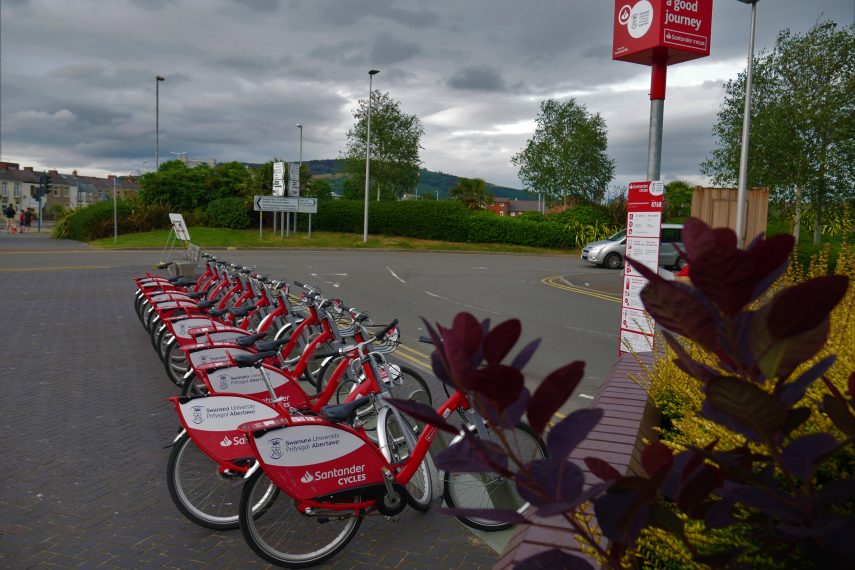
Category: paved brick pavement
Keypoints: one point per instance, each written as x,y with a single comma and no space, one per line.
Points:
84,421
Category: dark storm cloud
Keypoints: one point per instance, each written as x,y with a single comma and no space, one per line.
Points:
388,50
241,73
480,78
260,5
352,11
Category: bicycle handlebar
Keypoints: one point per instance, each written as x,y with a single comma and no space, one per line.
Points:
385,331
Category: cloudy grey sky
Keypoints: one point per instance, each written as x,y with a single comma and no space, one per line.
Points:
77,87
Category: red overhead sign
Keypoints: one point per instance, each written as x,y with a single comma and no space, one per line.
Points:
670,30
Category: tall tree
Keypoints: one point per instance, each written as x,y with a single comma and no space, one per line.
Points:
678,200
472,192
566,157
802,120
395,147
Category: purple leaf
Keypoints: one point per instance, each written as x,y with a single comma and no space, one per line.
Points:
499,383
795,390
696,490
554,559
552,393
423,413
720,514
741,404
678,308
656,458
571,431
522,358
802,455
472,455
602,469
767,502
802,307
510,416
500,340
624,509
498,515
468,331
548,482
730,277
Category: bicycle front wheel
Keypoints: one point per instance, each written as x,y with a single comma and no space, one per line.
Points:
202,491
490,490
284,536
420,485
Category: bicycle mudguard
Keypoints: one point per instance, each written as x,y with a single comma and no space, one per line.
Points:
313,457
169,305
212,422
176,296
204,359
248,381
184,327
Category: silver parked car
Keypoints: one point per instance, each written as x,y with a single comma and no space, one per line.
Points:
610,252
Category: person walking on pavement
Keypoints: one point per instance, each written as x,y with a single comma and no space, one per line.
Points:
9,213
28,218
21,222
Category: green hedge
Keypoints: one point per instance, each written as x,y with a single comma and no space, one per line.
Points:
444,220
228,213
91,222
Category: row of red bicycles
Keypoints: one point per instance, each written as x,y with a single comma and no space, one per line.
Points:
285,430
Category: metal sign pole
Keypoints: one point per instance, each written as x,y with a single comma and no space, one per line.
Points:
658,77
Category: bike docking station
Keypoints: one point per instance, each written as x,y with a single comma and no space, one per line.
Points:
183,260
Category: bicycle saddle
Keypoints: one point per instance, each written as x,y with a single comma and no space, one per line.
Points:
249,340
266,345
244,360
343,412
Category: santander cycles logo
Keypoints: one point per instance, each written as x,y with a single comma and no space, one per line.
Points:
307,478
637,18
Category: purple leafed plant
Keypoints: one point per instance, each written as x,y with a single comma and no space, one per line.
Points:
767,487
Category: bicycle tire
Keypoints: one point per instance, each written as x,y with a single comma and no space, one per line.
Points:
281,535
420,486
478,490
193,387
203,494
176,363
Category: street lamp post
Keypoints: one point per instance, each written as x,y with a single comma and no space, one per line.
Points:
157,80
742,191
371,75
115,213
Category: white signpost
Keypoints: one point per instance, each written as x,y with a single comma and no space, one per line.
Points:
285,204
278,178
293,179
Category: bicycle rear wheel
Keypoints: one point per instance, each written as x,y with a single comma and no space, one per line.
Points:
202,492
489,490
282,535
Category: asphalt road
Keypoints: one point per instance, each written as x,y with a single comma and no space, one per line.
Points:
572,306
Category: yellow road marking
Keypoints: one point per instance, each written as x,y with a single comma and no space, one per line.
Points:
555,281
56,268
416,352
407,354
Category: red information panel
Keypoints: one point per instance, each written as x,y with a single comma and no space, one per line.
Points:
674,30
643,226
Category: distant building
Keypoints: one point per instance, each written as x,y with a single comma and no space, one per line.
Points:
19,187
512,207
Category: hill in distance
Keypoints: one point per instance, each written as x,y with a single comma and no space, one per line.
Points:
430,182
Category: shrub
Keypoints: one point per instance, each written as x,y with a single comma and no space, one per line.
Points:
93,222
584,214
228,213
782,487
443,220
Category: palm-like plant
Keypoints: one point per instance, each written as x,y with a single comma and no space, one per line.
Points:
472,192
